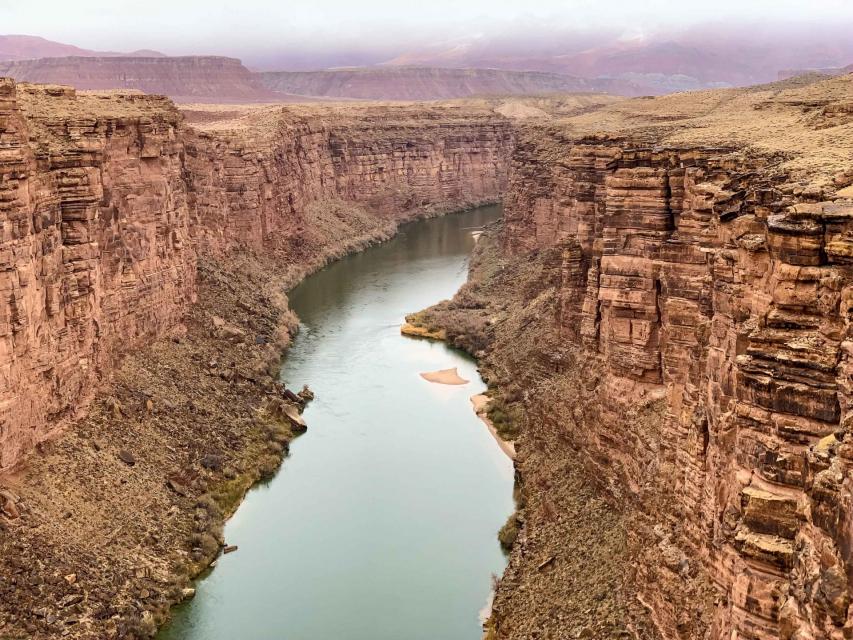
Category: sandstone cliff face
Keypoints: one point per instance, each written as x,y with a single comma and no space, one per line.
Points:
94,254
257,191
106,199
699,275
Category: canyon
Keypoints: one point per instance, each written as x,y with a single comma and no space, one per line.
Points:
105,217
664,313
126,231
667,306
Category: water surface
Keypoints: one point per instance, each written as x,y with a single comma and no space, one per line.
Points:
381,524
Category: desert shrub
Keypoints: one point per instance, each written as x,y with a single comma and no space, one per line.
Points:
508,533
208,503
268,464
206,542
505,417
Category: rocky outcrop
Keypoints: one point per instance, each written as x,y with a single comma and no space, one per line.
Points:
431,83
94,253
106,200
183,78
705,276
691,266
784,74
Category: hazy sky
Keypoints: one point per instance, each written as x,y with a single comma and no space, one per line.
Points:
241,26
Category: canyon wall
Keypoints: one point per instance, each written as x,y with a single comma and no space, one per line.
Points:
94,252
707,276
257,190
106,201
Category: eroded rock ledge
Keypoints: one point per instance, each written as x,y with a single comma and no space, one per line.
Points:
690,271
670,306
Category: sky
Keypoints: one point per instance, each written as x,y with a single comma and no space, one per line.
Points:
182,26
251,29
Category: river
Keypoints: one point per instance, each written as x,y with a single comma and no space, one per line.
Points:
382,522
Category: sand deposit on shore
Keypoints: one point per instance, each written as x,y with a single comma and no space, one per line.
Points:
481,405
444,376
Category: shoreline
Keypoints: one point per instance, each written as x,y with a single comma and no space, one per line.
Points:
480,402
573,564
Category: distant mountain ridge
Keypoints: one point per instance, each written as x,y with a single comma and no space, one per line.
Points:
433,83
221,79
23,47
701,56
707,55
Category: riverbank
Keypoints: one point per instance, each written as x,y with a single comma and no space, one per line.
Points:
481,403
123,509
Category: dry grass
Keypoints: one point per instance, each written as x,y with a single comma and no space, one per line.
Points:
806,120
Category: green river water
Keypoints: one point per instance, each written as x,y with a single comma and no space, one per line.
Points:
382,522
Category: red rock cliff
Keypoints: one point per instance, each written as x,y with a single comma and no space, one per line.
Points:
105,200
94,251
714,277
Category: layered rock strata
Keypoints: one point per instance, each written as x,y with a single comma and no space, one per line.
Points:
106,201
669,308
700,274
95,257
432,83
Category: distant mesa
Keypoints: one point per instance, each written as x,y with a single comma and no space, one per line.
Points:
184,79
547,60
434,83
702,56
220,79
635,67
